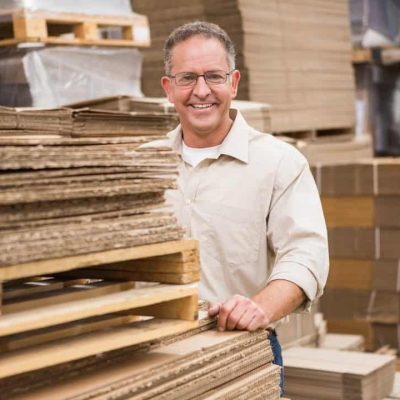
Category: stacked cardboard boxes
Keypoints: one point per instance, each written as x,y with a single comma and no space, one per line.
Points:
294,55
361,202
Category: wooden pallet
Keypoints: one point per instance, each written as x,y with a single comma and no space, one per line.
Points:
22,26
51,319
180,257
320,135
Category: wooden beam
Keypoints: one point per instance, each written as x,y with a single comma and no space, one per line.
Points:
87,260
74,310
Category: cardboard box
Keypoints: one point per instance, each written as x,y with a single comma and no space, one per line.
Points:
364,243
386,275
376,176
350,274
354,327
361,211
345,304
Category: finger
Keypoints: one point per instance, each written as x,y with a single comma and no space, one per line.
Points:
213,309
247,317
236,314
224,312
257,322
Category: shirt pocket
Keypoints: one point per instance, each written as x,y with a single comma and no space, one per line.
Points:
233,234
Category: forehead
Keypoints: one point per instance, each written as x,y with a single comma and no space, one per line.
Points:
199,53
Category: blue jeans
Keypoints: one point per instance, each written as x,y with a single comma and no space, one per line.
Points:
277,352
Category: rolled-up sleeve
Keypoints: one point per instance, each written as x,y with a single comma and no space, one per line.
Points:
296,230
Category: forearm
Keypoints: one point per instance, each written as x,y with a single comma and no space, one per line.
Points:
279,298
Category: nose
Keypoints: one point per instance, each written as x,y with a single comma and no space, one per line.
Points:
201,89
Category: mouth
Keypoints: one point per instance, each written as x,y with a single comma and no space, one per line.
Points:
202,106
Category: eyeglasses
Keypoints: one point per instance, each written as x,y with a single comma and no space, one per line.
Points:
211,77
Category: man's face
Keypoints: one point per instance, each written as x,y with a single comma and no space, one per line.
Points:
203,108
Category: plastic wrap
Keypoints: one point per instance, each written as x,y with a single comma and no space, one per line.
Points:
385,109
375,23
97,7
51,77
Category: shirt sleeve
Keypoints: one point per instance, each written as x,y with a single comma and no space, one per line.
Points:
296,230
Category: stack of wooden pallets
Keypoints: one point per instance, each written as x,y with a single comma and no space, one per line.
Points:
50,27
80,223
209,365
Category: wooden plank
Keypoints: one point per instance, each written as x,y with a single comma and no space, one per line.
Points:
111,274
67,263
42,356
127,300
69,330
142,371
69,294
37,285
361,56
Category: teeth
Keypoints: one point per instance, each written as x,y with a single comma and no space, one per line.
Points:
201,105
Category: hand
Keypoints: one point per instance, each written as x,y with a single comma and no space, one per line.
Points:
239,312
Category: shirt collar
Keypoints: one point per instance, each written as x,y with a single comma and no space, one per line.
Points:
235,144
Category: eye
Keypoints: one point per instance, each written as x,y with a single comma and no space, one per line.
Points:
185,78
215,76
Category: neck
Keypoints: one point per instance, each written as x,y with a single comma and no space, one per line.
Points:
199,140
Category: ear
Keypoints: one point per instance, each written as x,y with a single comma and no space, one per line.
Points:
166,85
234,82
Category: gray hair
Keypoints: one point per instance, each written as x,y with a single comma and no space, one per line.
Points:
201,28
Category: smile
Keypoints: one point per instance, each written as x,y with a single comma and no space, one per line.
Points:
202,106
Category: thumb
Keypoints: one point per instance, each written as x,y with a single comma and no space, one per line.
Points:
213,310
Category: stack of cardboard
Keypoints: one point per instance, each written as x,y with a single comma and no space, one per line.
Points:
362,209
62,195
85,122
333,374
294,55
208,365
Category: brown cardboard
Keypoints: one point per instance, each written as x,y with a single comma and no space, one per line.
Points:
386,275
387,211
387,335
346,180
350,274
352,243
384,306
354,327
345,303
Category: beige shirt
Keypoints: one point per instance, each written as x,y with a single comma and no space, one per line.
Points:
257,213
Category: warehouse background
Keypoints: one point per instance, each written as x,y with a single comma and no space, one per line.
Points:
81,208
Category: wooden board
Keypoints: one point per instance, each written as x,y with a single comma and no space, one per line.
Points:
49,27
199,358
42,356
165,301
68,263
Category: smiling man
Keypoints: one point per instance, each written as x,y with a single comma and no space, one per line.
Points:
249,198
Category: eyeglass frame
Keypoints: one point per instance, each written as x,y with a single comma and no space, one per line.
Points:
203,75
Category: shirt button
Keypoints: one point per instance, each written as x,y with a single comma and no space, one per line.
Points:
188,201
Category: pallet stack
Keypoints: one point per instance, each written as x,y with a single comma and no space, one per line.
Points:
41,42
208,365
295,56
81,221
362,209
94,271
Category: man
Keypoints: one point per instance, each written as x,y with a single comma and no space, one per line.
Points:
249,198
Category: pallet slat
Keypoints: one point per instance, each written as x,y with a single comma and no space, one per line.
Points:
183,300
83,29
46,355
87,260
